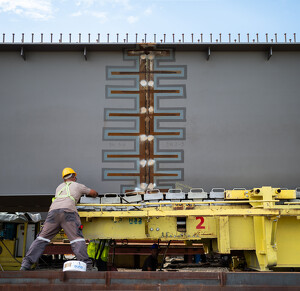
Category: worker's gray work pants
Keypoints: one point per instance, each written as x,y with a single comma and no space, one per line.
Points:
56,220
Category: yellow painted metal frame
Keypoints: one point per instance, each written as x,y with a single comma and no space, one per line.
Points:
8,260
267,233
245,194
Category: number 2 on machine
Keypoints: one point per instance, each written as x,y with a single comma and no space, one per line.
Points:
200,225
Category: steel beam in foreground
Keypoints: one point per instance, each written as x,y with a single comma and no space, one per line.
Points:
53,280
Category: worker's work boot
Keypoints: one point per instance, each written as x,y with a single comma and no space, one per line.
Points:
25,269
92,269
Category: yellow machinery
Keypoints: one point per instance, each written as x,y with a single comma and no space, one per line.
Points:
8,255
264,223
17,232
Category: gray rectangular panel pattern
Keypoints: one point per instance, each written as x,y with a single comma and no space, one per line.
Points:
242,119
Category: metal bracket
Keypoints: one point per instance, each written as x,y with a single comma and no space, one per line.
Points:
84,53
23,53
270,53
146,227
208,54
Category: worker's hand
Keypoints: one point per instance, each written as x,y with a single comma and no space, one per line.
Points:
93,193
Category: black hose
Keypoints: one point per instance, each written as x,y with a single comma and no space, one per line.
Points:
164,256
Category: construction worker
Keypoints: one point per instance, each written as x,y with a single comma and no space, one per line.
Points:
151,262
62,215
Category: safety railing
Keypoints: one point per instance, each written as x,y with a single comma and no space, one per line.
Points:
116,38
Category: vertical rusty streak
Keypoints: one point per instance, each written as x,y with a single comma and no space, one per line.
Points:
151,120
223,278
146,99
142,76
147,120
107,279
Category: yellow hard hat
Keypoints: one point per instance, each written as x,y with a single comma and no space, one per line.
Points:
67,171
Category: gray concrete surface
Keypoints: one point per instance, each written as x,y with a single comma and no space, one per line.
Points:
242,119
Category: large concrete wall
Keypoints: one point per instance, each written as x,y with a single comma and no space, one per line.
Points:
242,126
